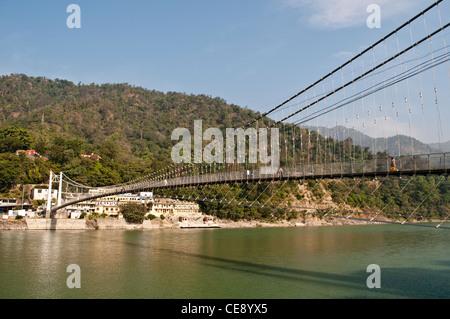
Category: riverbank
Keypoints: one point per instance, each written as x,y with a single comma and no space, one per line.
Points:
121,224
308,221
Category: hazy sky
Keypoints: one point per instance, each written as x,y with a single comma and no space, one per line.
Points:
253,53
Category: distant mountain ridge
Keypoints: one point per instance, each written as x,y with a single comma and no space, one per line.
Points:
444,147
396,145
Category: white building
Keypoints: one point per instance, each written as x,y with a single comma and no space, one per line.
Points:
146,195
77,209
109,207
174,208
42,194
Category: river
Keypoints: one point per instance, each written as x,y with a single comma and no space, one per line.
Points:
268,263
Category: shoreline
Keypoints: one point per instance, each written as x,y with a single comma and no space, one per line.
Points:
120,224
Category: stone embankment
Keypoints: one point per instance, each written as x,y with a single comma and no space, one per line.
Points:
115,224
97,224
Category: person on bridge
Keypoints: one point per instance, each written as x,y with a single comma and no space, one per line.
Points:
280,172
393,166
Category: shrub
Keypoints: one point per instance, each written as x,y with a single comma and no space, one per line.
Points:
151,217
133,212
293,215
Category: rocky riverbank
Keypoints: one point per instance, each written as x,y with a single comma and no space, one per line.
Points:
13,225
299,222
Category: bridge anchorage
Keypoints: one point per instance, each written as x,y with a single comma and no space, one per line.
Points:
375,119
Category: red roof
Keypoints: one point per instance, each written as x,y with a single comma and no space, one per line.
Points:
28,153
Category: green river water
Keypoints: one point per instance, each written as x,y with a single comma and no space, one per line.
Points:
268,263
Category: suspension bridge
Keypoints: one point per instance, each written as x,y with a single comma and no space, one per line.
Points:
397,89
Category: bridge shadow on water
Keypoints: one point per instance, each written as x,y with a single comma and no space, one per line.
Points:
399,282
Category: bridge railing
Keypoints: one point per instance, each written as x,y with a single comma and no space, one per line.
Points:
371,166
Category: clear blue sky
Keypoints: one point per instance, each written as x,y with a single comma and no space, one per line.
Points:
252,53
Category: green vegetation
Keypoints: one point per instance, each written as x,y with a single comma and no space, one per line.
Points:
133,212
128,127
13,138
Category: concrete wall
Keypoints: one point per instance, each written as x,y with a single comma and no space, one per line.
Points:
56,224
106,223
80,224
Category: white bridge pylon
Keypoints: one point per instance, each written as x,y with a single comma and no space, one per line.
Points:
53,178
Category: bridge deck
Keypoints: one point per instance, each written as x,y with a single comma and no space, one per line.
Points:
430,164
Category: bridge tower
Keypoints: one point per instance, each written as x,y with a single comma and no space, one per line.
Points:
60,189
49,195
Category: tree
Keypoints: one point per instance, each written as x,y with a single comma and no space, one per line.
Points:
13,138
9,171
133,212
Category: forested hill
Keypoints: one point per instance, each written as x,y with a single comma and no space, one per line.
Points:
129,127
138,120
